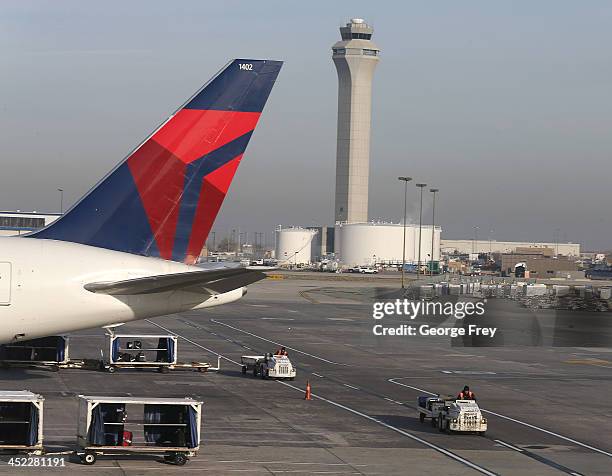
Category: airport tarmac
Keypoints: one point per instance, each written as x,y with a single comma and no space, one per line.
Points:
548,407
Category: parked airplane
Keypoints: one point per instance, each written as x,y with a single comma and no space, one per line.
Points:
127,249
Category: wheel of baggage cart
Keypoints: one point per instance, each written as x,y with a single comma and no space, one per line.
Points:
163,369
244,369
421,417
482,433
111,369
178,459
88,458
54,368
202,369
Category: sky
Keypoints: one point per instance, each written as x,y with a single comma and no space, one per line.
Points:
506,107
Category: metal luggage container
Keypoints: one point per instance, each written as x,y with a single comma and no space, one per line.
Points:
51,352
21,421
169,427
159,352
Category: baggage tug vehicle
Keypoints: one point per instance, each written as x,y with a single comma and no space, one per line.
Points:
452,415
268,366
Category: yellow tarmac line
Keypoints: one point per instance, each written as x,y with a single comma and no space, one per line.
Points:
595,362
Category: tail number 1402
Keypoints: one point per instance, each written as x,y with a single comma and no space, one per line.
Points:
246,66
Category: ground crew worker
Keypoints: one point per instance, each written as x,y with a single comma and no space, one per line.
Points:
281,351
466,394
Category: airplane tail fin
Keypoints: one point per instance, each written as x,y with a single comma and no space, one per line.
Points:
163,198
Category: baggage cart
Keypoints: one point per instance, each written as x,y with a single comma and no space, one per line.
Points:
157,352
169,427
48,352
21,421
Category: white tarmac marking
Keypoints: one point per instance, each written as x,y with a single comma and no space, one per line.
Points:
195,343
317,375
311,472
437,448
288,462
278,319
393,401
529,425
351,386
468,372
276,343
158,468
339,319
539,458
508,445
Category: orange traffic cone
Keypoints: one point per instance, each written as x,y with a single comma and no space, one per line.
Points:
308,390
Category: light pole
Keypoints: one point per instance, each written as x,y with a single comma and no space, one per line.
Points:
405,180
433,226
61,191
421,186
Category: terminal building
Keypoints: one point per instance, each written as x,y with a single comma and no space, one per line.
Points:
20,223
490,246
539,263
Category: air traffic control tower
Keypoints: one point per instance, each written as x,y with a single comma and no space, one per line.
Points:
355,57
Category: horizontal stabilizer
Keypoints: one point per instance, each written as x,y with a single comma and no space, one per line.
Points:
201,282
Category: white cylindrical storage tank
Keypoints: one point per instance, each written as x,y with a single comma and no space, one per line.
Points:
373,243
293,246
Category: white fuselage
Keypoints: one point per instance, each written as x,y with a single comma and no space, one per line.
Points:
42,293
